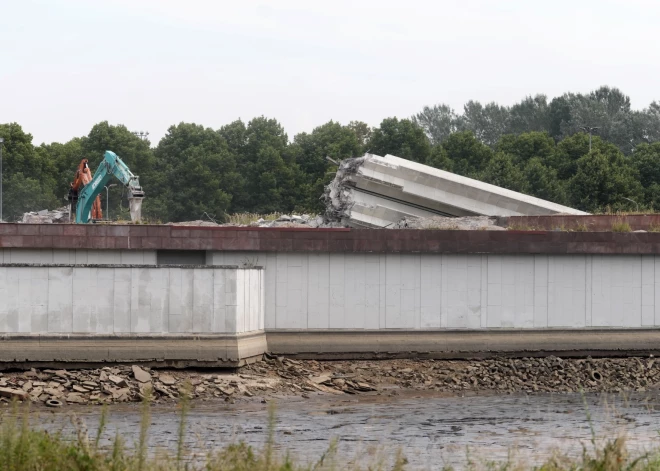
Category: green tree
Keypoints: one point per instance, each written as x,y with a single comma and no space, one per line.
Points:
28,176
502,171
440,159
646,161
469,156
65,158
604,182
272,178
22,194
542,182
488,123
559,114
402,138
438,122
310,151
196,174
526,146
362,132
532,114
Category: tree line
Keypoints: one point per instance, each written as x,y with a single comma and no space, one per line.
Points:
535,147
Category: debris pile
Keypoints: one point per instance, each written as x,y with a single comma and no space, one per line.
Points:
56,216
468,223
375,191
293,220
278,377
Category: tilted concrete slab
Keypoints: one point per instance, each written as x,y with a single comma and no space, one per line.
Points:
375,191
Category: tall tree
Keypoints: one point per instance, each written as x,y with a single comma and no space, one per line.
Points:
438,122
603,182
542,182
526,146
531,114
402,138
362,132
197,174
310,151
28,176
502,171
468,155
646,161
270,173
488,123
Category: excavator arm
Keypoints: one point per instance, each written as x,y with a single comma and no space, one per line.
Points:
111,166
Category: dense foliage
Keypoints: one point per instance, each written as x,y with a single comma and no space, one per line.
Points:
535,146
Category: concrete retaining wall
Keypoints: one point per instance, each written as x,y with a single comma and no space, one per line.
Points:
130,300
426,291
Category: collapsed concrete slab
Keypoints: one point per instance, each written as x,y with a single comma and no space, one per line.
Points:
375,191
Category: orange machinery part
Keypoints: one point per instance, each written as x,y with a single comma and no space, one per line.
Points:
82,178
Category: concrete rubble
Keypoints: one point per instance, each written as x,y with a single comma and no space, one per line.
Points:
473,223
60,215
279,377
378,192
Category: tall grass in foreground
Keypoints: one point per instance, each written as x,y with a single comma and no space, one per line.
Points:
23,448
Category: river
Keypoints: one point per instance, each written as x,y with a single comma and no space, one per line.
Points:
430,431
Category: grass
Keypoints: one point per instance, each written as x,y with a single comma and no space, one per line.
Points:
23,448
621,226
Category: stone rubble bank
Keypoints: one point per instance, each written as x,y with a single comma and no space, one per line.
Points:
281,377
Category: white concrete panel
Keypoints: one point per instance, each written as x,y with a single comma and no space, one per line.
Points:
393,280
430,291
202,312
318,286
337,295
540,291
60,299
121,297
566,291
84,312
104,300
372,291
494,297
648,290
355,291
231,301
296,291
219,311
240,301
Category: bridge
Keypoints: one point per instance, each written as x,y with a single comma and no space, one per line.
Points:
223,296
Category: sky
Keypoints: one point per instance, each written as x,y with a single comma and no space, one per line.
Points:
149,64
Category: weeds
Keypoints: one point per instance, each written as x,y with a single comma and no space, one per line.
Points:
621,226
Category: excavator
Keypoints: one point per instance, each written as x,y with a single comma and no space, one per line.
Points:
85,190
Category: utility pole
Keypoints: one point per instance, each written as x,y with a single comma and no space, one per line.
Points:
1,142
141,134
589,129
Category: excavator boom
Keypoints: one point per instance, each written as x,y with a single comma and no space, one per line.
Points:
111,166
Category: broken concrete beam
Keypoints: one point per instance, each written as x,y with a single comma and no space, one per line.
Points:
375,191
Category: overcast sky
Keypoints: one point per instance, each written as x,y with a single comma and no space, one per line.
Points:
68,64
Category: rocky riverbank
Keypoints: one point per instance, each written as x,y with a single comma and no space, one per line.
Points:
282,377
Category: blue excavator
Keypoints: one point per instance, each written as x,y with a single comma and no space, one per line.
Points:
84,191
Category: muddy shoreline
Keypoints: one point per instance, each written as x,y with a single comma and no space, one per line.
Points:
283,378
